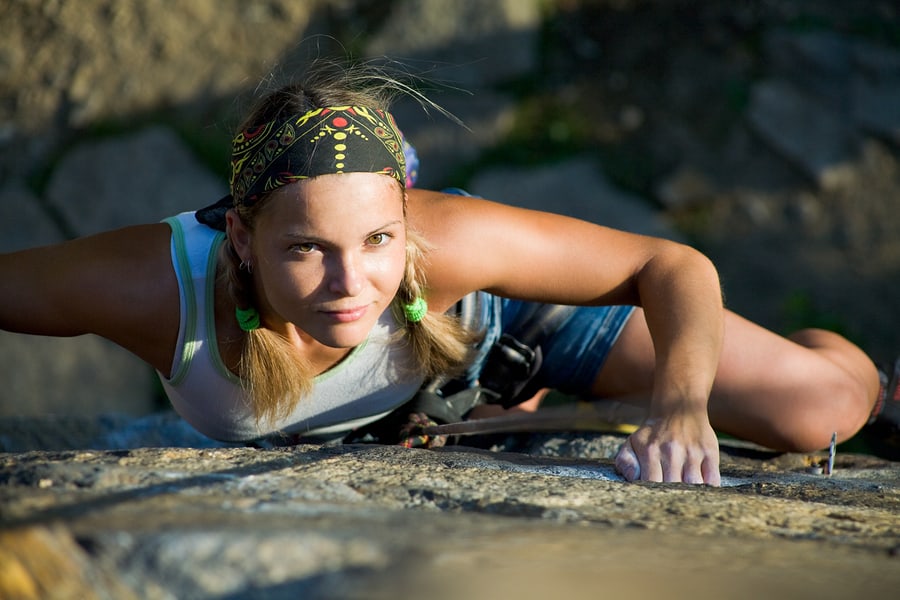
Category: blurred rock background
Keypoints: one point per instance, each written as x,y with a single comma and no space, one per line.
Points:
765,133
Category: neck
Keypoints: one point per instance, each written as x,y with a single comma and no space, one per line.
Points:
320,357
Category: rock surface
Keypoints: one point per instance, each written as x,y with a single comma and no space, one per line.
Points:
377,522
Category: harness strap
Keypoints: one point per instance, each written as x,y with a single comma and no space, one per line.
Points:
517,356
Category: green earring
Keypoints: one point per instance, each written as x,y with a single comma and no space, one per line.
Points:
248,318
416,310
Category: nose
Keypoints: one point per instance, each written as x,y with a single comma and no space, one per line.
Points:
346,276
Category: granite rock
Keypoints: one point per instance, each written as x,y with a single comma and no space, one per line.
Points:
375,522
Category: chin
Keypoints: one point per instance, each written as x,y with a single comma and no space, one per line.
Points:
345,336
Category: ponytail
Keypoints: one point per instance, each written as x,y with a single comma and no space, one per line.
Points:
440,344
274,375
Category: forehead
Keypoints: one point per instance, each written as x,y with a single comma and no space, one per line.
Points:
339,200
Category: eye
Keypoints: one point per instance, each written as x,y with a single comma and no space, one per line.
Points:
303,248
378,239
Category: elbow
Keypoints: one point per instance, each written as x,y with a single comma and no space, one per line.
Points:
674,263
705,267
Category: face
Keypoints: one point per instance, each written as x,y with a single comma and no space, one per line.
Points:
328,255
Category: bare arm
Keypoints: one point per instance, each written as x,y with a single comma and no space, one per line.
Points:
537,256
679,291
119,285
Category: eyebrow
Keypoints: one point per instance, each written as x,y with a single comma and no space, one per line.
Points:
316,239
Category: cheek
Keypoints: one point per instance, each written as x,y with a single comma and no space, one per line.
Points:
387,271
294,280
399,263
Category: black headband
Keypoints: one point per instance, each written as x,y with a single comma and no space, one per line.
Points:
335,139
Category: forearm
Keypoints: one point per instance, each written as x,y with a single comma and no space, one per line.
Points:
680,293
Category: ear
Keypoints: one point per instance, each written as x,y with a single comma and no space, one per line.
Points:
239,235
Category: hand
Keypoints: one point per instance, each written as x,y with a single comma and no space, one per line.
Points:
674,448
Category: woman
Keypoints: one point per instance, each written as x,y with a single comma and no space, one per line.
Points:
318,297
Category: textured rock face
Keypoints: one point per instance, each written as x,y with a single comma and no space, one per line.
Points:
77,63
364,522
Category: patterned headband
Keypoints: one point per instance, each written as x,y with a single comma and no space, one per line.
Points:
335,139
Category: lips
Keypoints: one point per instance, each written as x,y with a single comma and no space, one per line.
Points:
347,315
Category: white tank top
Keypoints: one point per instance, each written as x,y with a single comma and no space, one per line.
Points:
376,377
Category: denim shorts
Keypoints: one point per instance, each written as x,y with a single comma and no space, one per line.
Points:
573,354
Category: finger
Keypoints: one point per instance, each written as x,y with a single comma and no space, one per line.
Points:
651,465
692,472
673,461
710,471
692,468
627,463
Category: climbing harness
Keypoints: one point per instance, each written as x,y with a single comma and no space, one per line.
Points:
506,378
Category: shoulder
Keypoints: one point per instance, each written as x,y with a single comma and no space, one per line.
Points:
471,240
446,222
141,309
118,284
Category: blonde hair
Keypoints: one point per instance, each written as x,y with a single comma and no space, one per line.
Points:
275,376
439,343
